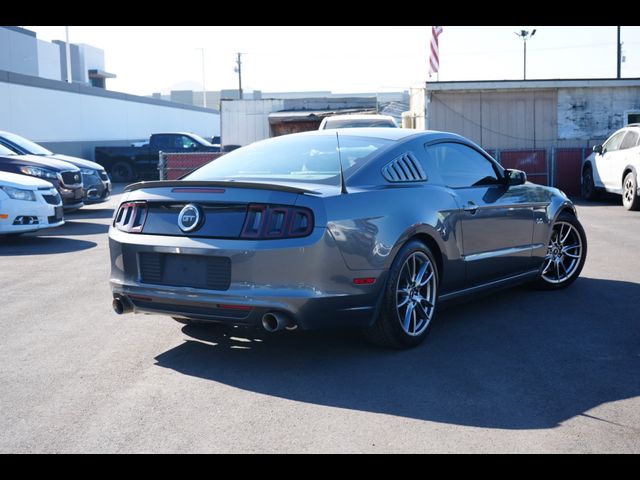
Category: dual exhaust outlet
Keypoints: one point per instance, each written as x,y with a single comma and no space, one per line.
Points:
275,321
271,321
121,305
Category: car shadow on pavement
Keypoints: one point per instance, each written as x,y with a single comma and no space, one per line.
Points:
605,200
72,228
90,213
522,359
26,245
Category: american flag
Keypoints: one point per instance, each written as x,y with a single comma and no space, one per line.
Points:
434,59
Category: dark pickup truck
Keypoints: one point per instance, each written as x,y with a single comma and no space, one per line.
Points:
126,164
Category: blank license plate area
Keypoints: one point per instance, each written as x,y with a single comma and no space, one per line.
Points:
195,271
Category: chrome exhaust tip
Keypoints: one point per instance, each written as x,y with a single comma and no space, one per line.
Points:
121,306
275,321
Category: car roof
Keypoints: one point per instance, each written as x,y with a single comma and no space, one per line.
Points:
360,116
395,134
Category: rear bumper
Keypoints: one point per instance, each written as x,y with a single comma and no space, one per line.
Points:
305,279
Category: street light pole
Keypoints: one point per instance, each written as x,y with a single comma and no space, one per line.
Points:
619,54
525,35
68,54
525,60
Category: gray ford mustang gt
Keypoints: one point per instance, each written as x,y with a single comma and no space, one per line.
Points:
371,227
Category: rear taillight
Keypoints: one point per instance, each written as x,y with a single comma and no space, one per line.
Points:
276,221
131,217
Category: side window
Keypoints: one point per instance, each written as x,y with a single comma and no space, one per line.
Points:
614,142
164,142
187,142
630,140
456,166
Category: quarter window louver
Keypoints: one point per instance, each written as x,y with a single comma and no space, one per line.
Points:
405,168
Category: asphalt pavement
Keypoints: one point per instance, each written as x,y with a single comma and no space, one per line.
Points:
516,371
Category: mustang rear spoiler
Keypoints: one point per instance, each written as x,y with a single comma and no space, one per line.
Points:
216,183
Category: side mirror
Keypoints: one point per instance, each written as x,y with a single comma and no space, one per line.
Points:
515,177
597,148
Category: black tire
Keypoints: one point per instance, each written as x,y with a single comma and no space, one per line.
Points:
587,186
630,198
388,329
122,172
563,263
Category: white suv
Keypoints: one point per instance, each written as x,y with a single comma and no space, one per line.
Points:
614,167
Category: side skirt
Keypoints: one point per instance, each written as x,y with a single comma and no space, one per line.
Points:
496,284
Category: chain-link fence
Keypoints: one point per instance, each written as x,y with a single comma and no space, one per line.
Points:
172,166
557,167
554,166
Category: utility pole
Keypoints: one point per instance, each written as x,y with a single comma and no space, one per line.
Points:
238,69
619,54
68,55
525,35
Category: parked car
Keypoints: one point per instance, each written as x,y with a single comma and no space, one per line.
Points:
96,183
614,167
28,204
65,177
294,232
356,121
126,164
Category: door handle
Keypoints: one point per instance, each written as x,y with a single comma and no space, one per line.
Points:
471,208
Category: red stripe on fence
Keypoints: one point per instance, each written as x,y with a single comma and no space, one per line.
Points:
179,164
568,165
533,162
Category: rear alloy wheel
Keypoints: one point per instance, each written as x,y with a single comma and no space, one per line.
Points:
566,253
122,172
630,198
410,298
587,187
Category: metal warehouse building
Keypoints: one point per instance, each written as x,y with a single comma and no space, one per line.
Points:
544,127
74,117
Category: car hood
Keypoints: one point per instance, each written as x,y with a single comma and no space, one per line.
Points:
78,162
37,161
24,182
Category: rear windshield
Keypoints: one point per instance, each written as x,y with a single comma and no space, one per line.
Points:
304,158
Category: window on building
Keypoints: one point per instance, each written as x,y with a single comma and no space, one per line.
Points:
457,166
633,116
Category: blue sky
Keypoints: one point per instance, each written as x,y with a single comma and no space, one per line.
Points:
346,59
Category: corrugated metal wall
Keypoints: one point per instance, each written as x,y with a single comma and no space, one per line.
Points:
244,122
497,119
